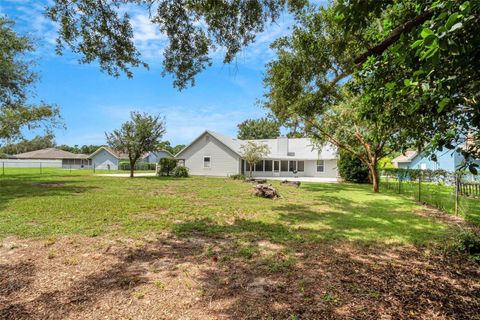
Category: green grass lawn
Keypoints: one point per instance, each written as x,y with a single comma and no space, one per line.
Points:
66,203
439,196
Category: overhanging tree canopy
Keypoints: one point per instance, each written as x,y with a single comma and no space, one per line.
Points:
16,80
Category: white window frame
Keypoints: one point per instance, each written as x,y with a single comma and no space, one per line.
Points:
209,162
303,170
322,165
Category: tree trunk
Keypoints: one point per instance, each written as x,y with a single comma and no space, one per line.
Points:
374,175
375,182
132,166
250,171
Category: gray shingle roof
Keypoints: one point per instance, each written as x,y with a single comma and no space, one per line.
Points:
407,157
49,153
298,148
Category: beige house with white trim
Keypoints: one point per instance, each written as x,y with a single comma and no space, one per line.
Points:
213,154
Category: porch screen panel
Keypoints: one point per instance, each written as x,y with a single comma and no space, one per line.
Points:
284,165
292,166
259,166
276,166
300,166
268,165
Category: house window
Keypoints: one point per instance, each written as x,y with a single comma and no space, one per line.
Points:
320,166
268,165
284,165
300,166
259,166
206,162
292,166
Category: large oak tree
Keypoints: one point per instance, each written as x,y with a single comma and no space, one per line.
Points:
433,44
16,82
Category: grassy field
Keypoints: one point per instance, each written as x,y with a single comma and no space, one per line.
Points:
439,196
66,203
78,246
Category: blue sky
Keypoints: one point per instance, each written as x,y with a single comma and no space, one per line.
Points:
91,102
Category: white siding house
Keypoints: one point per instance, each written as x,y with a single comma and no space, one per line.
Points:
105,159
108,159
213,154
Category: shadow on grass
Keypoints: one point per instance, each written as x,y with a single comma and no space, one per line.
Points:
329,217
11,189
323,281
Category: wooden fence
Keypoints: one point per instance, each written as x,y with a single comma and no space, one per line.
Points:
469,189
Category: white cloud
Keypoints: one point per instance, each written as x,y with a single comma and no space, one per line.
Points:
185,124
30,19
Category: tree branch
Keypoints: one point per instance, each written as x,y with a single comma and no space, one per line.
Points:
385,44
393,37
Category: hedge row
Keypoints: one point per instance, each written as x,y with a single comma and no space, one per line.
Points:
125,165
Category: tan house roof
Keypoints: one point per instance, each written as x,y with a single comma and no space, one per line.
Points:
406,157
49,154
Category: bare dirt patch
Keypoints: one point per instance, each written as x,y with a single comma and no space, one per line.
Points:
203,278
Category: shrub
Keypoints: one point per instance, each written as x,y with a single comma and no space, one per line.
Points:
468,242
125,165
180,172
238,177
352,169
166,166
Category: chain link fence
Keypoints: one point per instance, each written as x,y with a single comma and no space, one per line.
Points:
454,192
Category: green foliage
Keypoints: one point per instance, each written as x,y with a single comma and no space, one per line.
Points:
125,165
351,168
397,60
166,166
263,128
37,143
467,241
165,145
385,163
136,137
238,177
16,79
180,172
85,149
231,25
252,152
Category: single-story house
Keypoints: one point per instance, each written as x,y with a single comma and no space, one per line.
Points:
69,159
449,160
213,154
109,159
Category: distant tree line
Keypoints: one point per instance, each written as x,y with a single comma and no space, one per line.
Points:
48,141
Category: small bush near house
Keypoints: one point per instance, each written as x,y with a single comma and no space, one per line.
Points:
180,172
166,166
351,169
238,177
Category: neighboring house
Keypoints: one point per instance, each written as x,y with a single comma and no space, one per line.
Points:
449,160
155,156
213,154
109,159
69,160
